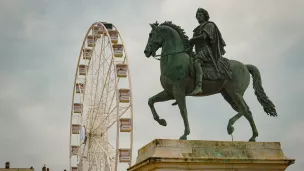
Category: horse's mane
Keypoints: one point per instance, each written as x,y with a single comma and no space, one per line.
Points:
180,31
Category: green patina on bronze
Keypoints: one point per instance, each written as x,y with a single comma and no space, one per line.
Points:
203,72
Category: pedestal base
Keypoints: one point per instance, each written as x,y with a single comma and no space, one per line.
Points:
196,155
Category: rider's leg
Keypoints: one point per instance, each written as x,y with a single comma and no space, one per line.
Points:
198,77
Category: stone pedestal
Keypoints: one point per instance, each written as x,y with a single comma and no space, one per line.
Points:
197,155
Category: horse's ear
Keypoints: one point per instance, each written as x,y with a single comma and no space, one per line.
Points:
154,27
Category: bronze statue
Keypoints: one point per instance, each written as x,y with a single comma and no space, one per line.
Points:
219,75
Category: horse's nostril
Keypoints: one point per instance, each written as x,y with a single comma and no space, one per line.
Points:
145,51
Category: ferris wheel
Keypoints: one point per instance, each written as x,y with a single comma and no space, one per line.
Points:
101,124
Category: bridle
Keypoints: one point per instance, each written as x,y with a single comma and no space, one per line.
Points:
186,50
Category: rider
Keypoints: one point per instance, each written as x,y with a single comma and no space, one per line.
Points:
209,48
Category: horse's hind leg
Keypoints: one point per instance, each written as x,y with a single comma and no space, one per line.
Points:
243,108
249,117
227,97
160,97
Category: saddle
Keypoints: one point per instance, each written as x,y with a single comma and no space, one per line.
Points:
209,71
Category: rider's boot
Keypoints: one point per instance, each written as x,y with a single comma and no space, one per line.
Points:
198,81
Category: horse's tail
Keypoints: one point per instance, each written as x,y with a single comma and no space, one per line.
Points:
268,106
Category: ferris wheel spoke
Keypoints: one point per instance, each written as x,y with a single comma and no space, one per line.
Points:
107,76
105,55
104,81
107,118
110,93
96,88
111,103
105,45
110,155
105,88
95,156
91,88
114,120
96,93
111,116
95,74
99,111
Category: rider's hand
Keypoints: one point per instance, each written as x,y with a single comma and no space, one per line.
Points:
192,40
202,36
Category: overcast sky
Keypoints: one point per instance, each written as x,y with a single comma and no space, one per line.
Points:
40,41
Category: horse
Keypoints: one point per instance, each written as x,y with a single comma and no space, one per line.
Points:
177,81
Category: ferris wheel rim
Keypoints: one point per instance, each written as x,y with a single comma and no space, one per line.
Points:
129,75
131,92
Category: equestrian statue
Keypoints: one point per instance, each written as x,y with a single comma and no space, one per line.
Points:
203,72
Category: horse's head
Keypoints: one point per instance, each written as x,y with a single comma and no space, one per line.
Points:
154,42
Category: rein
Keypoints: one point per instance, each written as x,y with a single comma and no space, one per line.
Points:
170,54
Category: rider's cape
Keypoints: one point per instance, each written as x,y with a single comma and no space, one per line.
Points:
222,65
216,41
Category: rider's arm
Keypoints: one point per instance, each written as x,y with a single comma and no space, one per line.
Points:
202,36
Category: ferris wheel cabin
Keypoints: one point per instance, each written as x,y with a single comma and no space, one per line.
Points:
83,69
74,149
124,95
80,88
125,125
122,70
87,53
118,50
77,107
124,155
91,40
114,36
76,128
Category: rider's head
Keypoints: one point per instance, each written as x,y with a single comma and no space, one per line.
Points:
202,15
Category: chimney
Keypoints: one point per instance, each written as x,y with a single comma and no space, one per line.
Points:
7,165
47,169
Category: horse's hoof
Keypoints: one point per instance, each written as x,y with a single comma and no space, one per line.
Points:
230,129
183,137
163,122
252,139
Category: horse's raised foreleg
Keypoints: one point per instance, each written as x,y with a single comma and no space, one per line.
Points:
160,97
180,97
